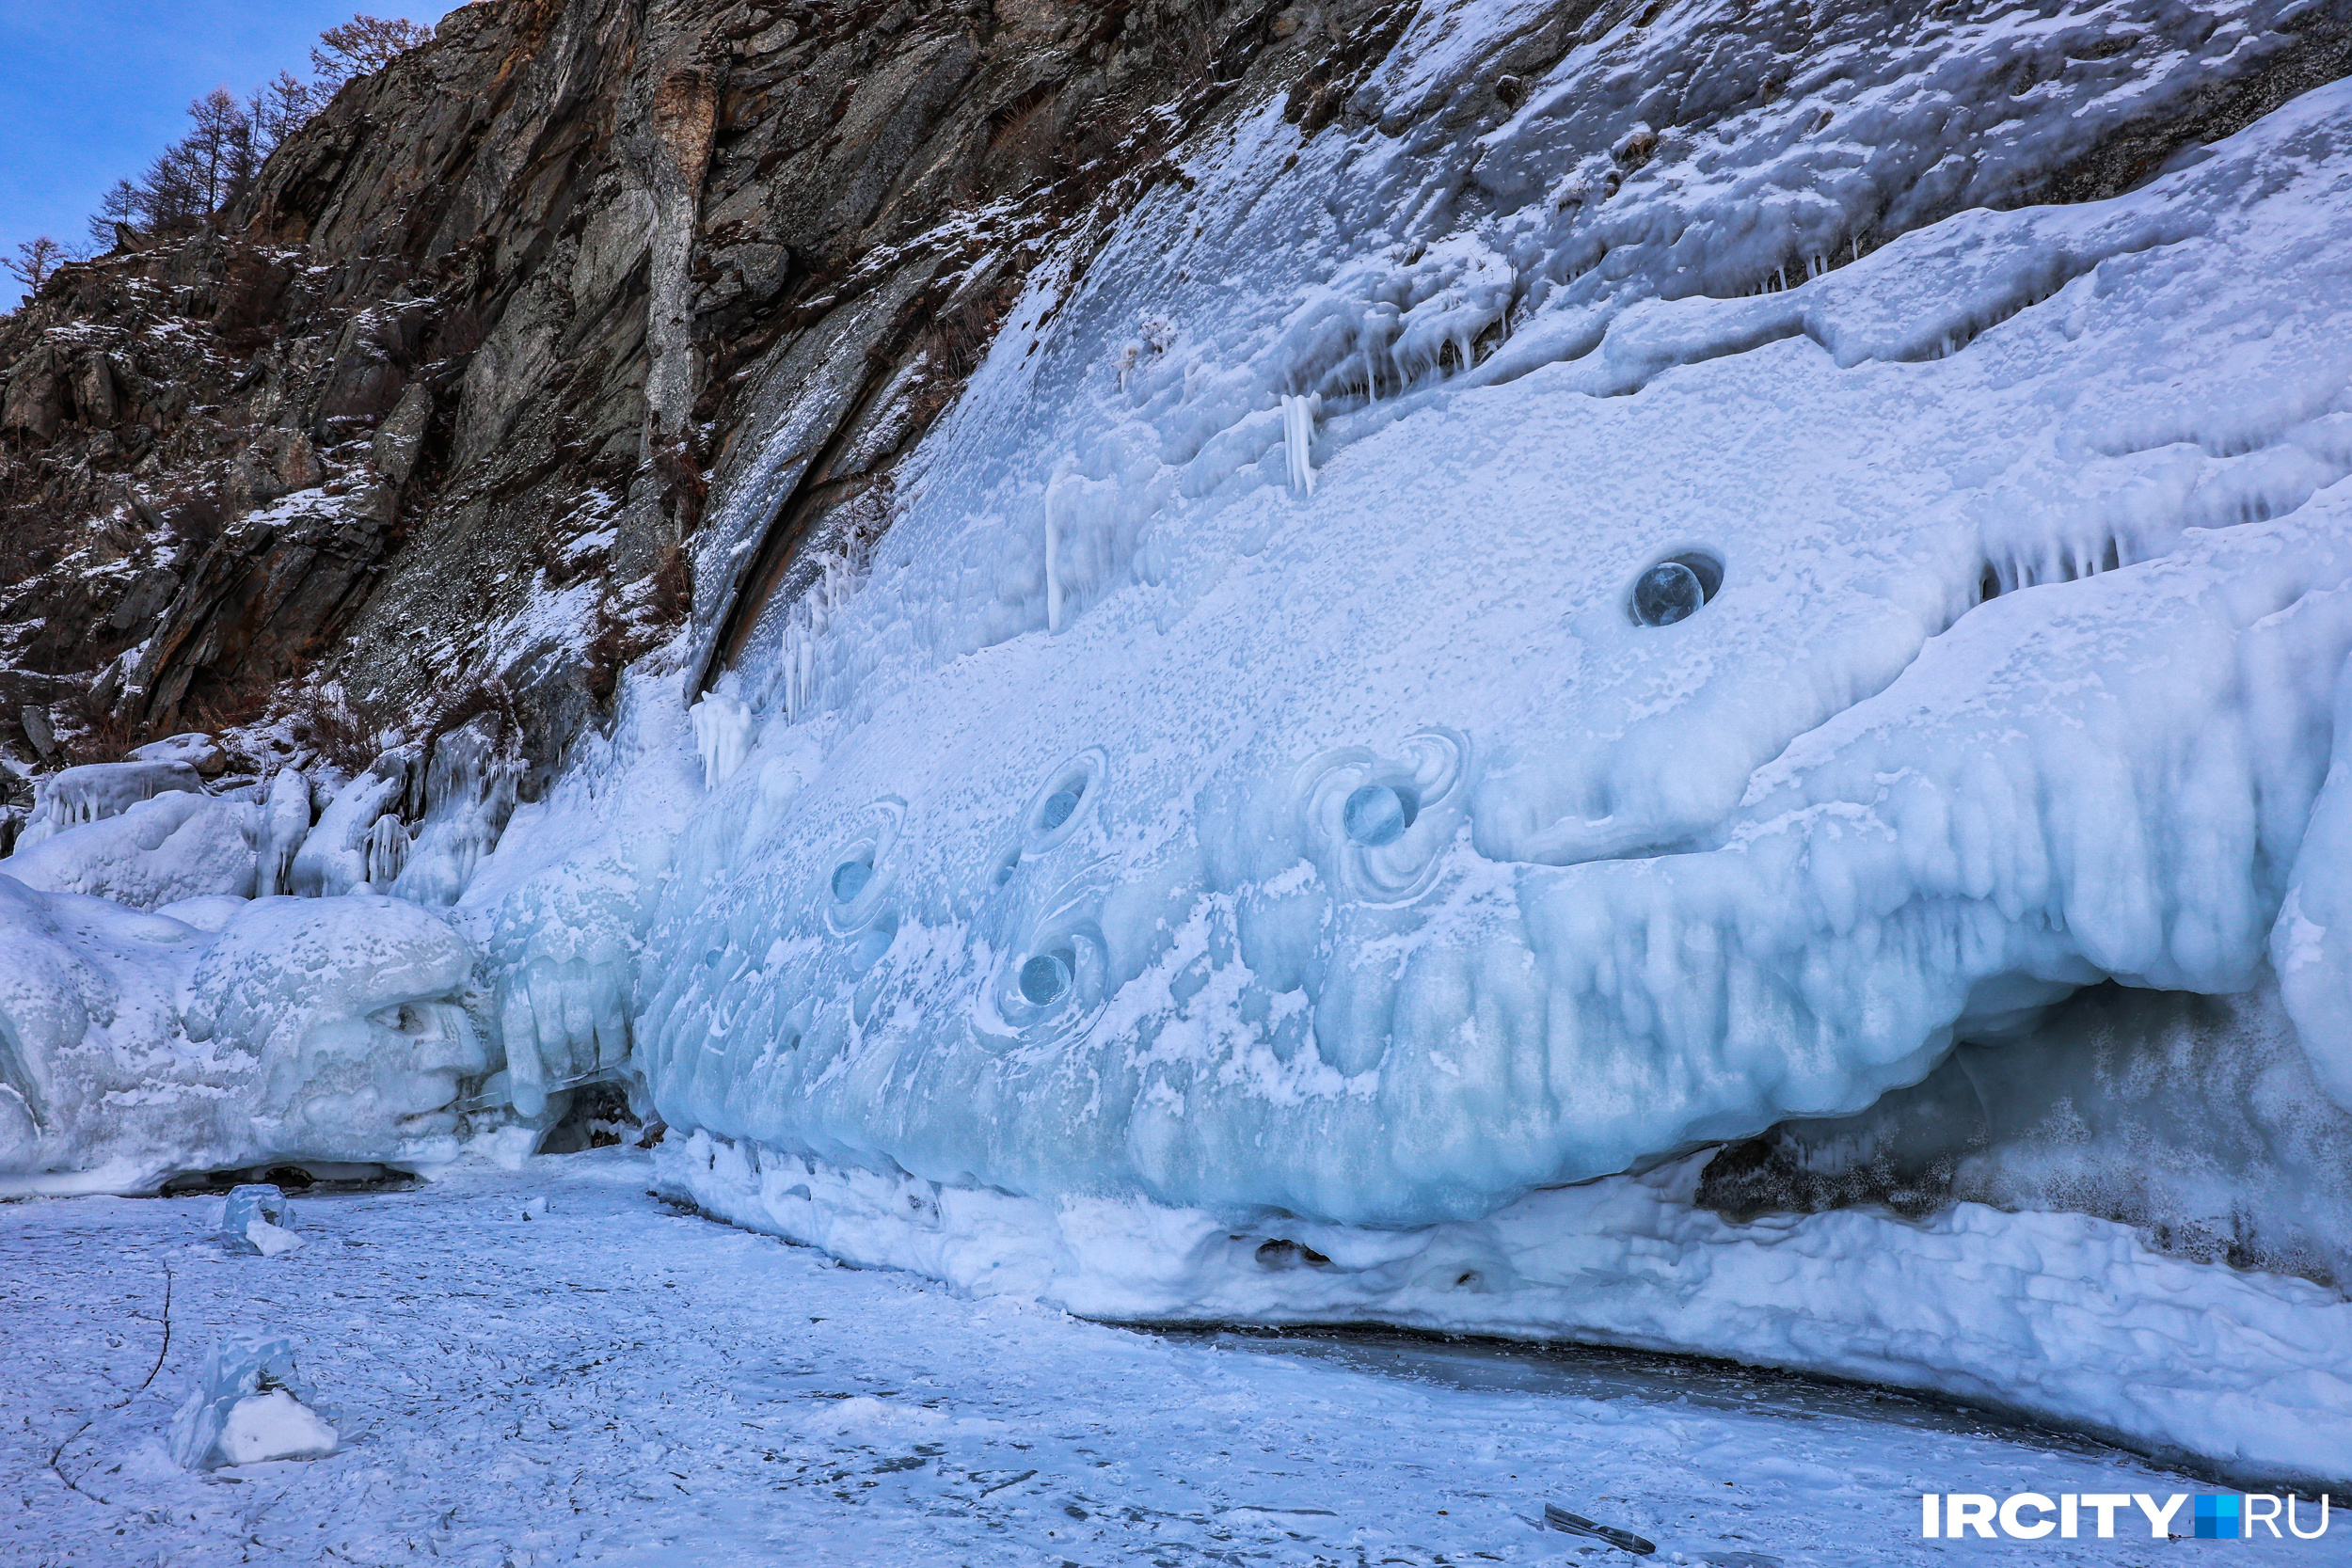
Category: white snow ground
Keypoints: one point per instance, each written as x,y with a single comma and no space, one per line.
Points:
612,1382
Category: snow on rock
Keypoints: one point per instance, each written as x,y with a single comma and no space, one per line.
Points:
199,752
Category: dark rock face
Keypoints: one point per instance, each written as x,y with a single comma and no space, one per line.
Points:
443,401
483,329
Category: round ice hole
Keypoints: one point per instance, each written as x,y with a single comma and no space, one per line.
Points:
1668,592
849,879
1379,814
1056,810
1045,979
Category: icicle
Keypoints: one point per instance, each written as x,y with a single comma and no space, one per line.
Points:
1052,555
1298,433
387,852
723,733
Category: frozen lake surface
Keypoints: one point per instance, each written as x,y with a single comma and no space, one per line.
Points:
615,1382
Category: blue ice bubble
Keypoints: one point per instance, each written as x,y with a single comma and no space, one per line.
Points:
1059,806
849,879
1668,592
1379,814
1045,979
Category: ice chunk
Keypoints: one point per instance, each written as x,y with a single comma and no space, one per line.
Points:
1667,593
158,850
255,1218
252,1200
247,1408
273,1425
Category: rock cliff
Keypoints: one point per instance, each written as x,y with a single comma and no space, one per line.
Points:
439,407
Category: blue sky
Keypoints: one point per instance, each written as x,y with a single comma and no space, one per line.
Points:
90,90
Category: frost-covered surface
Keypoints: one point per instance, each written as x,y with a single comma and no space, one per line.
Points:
1243,794
608,1383
158,851
76,796
1664,884
2240,1368
133,1046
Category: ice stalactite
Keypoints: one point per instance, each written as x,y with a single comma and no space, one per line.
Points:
285,822
98,790
724,727
386,854
469,794
1299,435
564,1023
793,680
334,857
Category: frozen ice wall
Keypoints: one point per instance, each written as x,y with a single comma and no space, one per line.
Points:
135,1045
1379,853
1773,601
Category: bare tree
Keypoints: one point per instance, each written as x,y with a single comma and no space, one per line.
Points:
219,151
34,260
363,45
277,109
118,209
217,161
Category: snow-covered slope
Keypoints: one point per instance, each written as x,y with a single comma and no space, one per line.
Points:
1440,667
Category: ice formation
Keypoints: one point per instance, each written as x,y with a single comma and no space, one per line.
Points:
136,1046
247,1408
95,791
1765,629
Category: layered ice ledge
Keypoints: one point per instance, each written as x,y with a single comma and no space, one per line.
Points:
2239,1371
